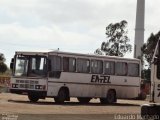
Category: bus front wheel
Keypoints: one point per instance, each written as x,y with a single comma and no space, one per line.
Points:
33,98
111,96
83,100
61,97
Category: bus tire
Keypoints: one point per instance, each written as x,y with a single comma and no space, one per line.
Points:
84,100
110,97
61,97
33,97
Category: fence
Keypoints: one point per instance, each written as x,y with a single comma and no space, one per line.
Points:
4,81
4,84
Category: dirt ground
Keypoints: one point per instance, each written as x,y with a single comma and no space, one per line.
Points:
12,105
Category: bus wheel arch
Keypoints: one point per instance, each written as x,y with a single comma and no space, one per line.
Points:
63,95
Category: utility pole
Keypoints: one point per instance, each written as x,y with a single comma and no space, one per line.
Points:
139,28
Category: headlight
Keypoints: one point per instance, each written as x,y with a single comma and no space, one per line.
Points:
14,85
40,87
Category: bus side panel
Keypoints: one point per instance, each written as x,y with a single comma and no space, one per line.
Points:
155,86
82,85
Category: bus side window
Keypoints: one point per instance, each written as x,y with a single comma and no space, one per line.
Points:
83,65
96,67
56,66
56,63
65,64
109,68
133,69
121,68
72,64
69,64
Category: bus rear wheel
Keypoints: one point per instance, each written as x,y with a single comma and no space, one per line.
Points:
110,99
61,97
111,96
33,97
83,100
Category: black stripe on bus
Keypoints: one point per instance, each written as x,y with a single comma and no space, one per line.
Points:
93,84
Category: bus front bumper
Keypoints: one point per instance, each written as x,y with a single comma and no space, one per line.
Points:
41,94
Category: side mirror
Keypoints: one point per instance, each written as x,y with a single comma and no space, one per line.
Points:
12,60
11,66
12,63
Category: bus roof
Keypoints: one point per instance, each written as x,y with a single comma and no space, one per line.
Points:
46,53
91,55
31,53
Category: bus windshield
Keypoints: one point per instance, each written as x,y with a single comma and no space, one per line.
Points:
32,66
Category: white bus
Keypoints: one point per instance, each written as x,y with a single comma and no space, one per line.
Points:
62,75
152,110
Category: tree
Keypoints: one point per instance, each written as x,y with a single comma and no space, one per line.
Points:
149,47
146,74
2,58
117,40
3,66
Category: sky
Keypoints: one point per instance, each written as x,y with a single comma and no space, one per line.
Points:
70,25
